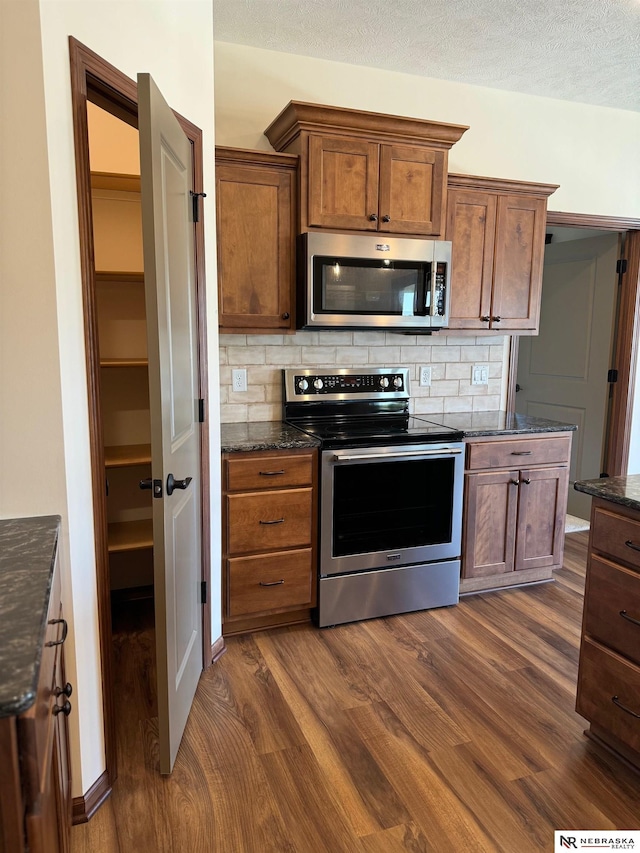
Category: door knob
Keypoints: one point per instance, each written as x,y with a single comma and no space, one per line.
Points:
172,483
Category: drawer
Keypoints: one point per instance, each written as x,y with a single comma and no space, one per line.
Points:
609,692
279,470
616,535
271,582
269,521
612,591
521,453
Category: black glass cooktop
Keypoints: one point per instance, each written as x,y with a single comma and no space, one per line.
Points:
367,431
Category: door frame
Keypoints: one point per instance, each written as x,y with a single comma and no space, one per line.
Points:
94,79
626,336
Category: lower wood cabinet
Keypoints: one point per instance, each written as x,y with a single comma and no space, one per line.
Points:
514,516
608,693
269,533
35,790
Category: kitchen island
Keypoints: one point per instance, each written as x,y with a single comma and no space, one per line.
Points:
608,694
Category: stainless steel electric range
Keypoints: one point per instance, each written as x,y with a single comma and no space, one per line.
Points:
390,493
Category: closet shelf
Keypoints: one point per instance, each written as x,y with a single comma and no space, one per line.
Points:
124,362
125,455
122,276
130,535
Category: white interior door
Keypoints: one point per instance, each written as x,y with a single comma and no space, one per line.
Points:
167,222
562,372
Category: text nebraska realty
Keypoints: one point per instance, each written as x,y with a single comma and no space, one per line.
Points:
606,842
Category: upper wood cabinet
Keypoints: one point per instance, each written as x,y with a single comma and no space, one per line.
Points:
366,171
497,230
255,210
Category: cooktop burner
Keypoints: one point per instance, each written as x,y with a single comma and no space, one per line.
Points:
354,407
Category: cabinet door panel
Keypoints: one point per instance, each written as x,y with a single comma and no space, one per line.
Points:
255,247
519,255
542,507
471,222
490,523
343,183
411,190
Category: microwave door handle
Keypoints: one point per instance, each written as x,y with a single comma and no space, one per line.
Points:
434,278
428,296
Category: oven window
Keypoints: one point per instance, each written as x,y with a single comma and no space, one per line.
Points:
348,286
383,506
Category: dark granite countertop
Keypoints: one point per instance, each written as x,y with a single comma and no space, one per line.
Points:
476,424
27,557
264,435
618,490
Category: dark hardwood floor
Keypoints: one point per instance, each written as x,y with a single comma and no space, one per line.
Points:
445,730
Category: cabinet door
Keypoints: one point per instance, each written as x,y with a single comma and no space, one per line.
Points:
471,224
412,186
255,248
519,256
343,183
542,507
491,501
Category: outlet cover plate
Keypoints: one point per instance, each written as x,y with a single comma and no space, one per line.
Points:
239,379
480,374
425,375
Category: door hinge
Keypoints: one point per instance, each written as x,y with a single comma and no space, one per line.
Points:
612,375
203,592
621,266
196,204
201,410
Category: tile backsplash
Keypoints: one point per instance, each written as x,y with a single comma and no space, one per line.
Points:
451,359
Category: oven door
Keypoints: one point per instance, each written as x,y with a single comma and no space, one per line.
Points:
383,507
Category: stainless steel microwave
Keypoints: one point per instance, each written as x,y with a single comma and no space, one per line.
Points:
363,281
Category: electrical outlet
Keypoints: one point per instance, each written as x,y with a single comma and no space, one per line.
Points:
425,375
239,379
480,374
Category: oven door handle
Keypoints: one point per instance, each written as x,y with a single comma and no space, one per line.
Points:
443,451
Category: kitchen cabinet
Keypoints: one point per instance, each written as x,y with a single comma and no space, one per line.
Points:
269,534
365,171
124,380
514,509
35,792
497,231
608,693
255,217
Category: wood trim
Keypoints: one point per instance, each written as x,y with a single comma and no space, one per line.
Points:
218,649
11,802
300,116
94,79
248,157
586,220
514,349
625,360
83,808
500,185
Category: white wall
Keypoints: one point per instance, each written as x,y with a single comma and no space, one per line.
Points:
592,152
43,387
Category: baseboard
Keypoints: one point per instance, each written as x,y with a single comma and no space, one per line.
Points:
217,650
83,808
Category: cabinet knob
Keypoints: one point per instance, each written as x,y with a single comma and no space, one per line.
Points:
386,218
526,481
67,690
515,482
65,708
486,318
496,319
286,315
373,217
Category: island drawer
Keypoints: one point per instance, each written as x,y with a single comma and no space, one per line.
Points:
518,453
612,607
280,470
609,692
270,582
616,535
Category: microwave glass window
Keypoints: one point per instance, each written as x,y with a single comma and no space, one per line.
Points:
350,286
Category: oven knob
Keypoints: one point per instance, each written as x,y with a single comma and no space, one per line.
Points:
384,382
303,385
318,384
398,381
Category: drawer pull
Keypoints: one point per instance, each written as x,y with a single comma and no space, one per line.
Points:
272,583
521,452
65,628
275,521
630,544
65,708
626,616
622,707
270,473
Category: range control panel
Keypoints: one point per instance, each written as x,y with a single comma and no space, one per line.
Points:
349,382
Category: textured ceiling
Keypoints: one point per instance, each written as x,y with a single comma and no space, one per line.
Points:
575,50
